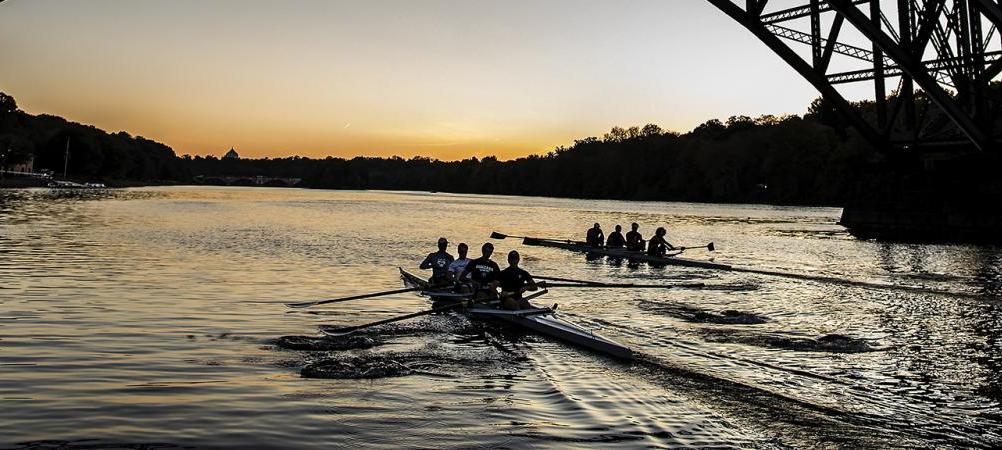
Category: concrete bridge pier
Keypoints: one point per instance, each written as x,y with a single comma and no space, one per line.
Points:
959,201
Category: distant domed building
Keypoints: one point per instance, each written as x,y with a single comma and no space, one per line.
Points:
232,154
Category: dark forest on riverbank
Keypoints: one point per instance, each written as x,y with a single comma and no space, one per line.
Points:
769,159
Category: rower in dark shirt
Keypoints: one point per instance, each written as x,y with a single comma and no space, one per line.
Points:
483,272
634,241
616,239
595,237
515,281
438,262
658,246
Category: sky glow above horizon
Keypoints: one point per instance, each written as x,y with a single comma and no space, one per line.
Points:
445,79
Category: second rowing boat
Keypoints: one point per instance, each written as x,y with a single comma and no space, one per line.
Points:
623,253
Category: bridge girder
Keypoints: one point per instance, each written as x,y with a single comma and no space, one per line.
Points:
940,46
750,17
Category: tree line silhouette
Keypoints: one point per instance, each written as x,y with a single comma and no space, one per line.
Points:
94,153
792,159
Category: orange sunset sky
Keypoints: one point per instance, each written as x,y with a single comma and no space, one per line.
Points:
446,79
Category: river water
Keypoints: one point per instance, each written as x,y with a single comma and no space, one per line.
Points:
148,318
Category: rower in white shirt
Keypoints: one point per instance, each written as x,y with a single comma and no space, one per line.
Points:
457,266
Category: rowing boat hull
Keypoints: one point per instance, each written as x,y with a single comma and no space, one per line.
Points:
542,320
627,254
545,321
411,280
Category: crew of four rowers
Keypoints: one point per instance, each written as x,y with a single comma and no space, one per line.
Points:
633,241
481,274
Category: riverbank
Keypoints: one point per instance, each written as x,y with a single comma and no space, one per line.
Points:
22,182
29,182
138,184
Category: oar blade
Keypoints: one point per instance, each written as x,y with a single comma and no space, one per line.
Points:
710,247
496,235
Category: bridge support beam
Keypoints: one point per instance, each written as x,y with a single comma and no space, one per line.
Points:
913,66
751,20
937,148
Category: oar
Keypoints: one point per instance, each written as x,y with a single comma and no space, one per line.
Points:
328,330
528,297
346,330
354,297
496,235
709,247
848,282
628,286
568,280
682,249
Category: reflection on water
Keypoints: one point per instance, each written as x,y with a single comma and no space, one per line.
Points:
151,318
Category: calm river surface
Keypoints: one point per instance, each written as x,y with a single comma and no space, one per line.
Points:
147,318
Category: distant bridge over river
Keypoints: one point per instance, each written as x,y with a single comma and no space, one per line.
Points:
257,180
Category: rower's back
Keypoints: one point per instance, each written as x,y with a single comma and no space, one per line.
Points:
634,241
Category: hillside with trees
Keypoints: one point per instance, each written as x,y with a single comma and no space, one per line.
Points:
95,154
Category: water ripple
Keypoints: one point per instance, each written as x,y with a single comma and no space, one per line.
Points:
148,316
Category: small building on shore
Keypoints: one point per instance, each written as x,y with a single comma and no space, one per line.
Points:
23,164
232,154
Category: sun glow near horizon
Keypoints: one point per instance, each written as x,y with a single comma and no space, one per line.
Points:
443,79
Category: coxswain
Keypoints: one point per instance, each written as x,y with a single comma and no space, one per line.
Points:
658,246
514,282
634,241
483,272
460,263
439,263
595,237
616,239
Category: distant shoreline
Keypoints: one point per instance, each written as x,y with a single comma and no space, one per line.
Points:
22,182
134,184
28,182
788,160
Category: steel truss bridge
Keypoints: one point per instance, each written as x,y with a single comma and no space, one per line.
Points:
942,55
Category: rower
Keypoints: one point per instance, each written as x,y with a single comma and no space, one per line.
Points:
634,241
483,272
439,263
658,246
459,264
595,237
514,282
616,239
